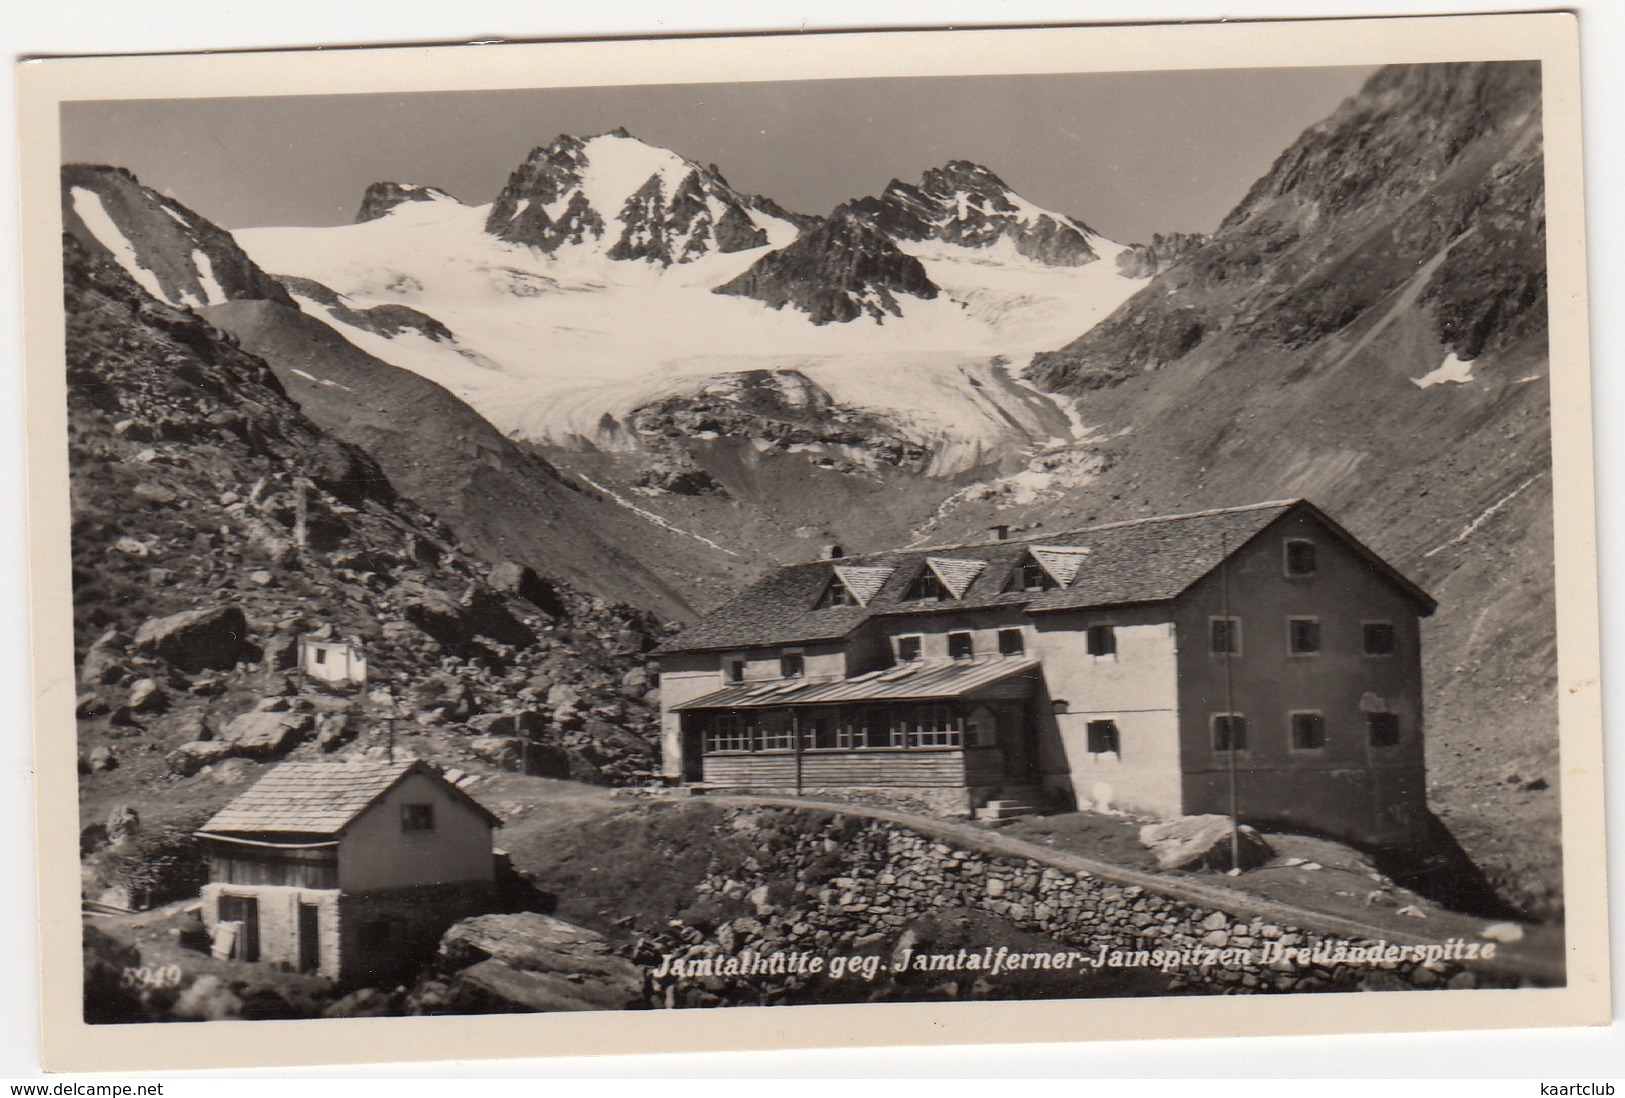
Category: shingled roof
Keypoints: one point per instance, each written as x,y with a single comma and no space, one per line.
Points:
1120,563
321,798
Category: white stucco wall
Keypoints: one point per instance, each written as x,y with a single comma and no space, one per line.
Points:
376,852
1136,687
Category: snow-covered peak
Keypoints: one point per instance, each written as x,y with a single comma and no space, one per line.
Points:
631,200
382,198
965,204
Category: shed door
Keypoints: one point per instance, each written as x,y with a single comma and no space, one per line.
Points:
246,911
310,948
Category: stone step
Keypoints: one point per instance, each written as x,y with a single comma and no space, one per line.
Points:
1005,809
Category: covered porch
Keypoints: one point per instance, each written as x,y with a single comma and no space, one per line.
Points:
953,725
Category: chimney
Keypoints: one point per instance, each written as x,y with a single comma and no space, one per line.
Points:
1001,532
833,552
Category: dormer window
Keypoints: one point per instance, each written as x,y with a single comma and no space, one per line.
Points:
961,646
733,670
1031,576
908,648
928,585
1300,557
836,594
792,665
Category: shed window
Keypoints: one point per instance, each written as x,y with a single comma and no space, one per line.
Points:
1102,640
1103,738
1011,642
321,655
792,665
1383,729
1308,731
417,817
1229,732
961,646
1225,636
908,648
1300,558
1379,638
1303,636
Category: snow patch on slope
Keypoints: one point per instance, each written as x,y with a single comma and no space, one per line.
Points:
1452,370
88,205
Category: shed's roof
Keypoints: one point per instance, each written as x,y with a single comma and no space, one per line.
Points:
321,798
1120,563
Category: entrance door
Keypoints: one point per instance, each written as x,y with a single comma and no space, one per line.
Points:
244,910
1018,736
693,750
310,949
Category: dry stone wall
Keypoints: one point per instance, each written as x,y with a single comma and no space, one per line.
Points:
837,886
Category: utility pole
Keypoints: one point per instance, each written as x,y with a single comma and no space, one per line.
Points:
1230,700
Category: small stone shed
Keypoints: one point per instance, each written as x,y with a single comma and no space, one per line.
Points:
348,870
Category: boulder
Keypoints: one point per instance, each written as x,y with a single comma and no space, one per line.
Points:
369,1002
146,696
89,705
563,696
442,691
281,653
1193,842
196,640
189,758
102,758
534,962
518,722
635,681
333,731
103,662
230,772
437,614
503,751
260,735
122,822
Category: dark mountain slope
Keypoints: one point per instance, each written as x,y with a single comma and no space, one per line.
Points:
190,468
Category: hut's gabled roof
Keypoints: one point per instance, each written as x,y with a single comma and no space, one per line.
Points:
321,798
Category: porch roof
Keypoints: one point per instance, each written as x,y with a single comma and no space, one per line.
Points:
919,681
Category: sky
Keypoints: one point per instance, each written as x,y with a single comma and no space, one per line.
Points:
1130,153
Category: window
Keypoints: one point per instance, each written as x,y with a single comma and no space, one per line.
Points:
417,817
791,665
321,655
908,648
1225,636
1308,731
933,726
1383,729
1102,640
961,646
836,594
928,585
727,733
1300,557
818,731
1229,732
868,728
1011,642
774,732
1303,636
1031,576
1379,638
1103,738
734,670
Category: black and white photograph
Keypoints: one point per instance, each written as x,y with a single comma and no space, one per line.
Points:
902,535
